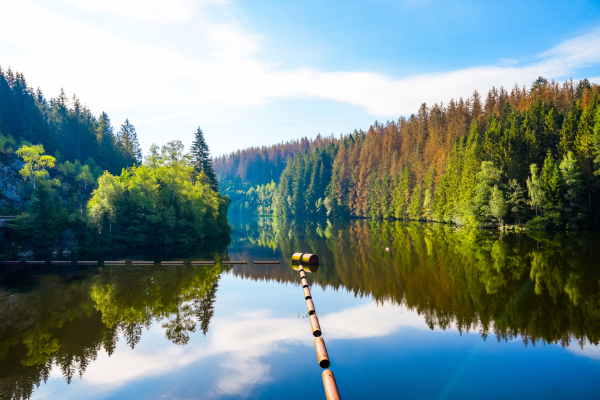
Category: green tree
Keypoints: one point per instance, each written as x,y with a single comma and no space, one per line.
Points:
415,209
535,190
401,193
127,139
36,163
487,179
157,202
497,205
574,214
201,160
596,141
516,199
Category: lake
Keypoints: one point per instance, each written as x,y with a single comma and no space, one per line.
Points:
446,313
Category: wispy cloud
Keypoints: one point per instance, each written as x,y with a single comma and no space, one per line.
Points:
239,341
215,64
156,11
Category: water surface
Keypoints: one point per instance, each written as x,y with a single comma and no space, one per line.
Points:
446,313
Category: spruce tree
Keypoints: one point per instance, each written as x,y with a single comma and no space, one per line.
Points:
574,213
201,160
128,141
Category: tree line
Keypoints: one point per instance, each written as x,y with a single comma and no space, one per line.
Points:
113,197
520,156
66,128
261,165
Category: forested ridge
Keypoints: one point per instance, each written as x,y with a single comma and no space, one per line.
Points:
84,184
65,127
524,155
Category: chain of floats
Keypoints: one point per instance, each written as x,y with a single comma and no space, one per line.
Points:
331,390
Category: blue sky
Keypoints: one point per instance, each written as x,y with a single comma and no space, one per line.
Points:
259,72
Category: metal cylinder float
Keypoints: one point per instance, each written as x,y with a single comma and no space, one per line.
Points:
310,307
314,325
322,353
305,259
302,274
331,390
307,293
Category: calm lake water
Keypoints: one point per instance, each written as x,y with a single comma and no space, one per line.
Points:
447,313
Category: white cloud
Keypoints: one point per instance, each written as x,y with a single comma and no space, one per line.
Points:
239,341
215,65
158,11
579,51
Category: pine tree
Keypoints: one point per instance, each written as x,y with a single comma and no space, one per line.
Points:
201,160
596,141
416,203
569,128
574,214
128,141
551,182
106,142
400,195
584,146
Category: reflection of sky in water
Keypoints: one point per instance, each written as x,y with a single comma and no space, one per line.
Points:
257,347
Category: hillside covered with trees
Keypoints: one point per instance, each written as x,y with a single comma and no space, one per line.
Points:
524,155
83,184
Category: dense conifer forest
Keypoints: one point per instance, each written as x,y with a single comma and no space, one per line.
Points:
512,157
84,183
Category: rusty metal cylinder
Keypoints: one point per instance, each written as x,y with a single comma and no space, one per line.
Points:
305,259
314,325
307,293
322,353
331,390
310,306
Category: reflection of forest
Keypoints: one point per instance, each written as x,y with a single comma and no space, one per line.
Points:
536,286
540,286
65,320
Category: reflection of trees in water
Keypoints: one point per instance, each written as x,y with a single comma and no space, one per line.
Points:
204,307
65,322
540,286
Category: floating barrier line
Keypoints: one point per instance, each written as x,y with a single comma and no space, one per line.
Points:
329,384
114,262
322,355
171,262
203,263
331,390
233,262
266,262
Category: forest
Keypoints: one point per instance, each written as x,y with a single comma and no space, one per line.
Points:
81,184
524,157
